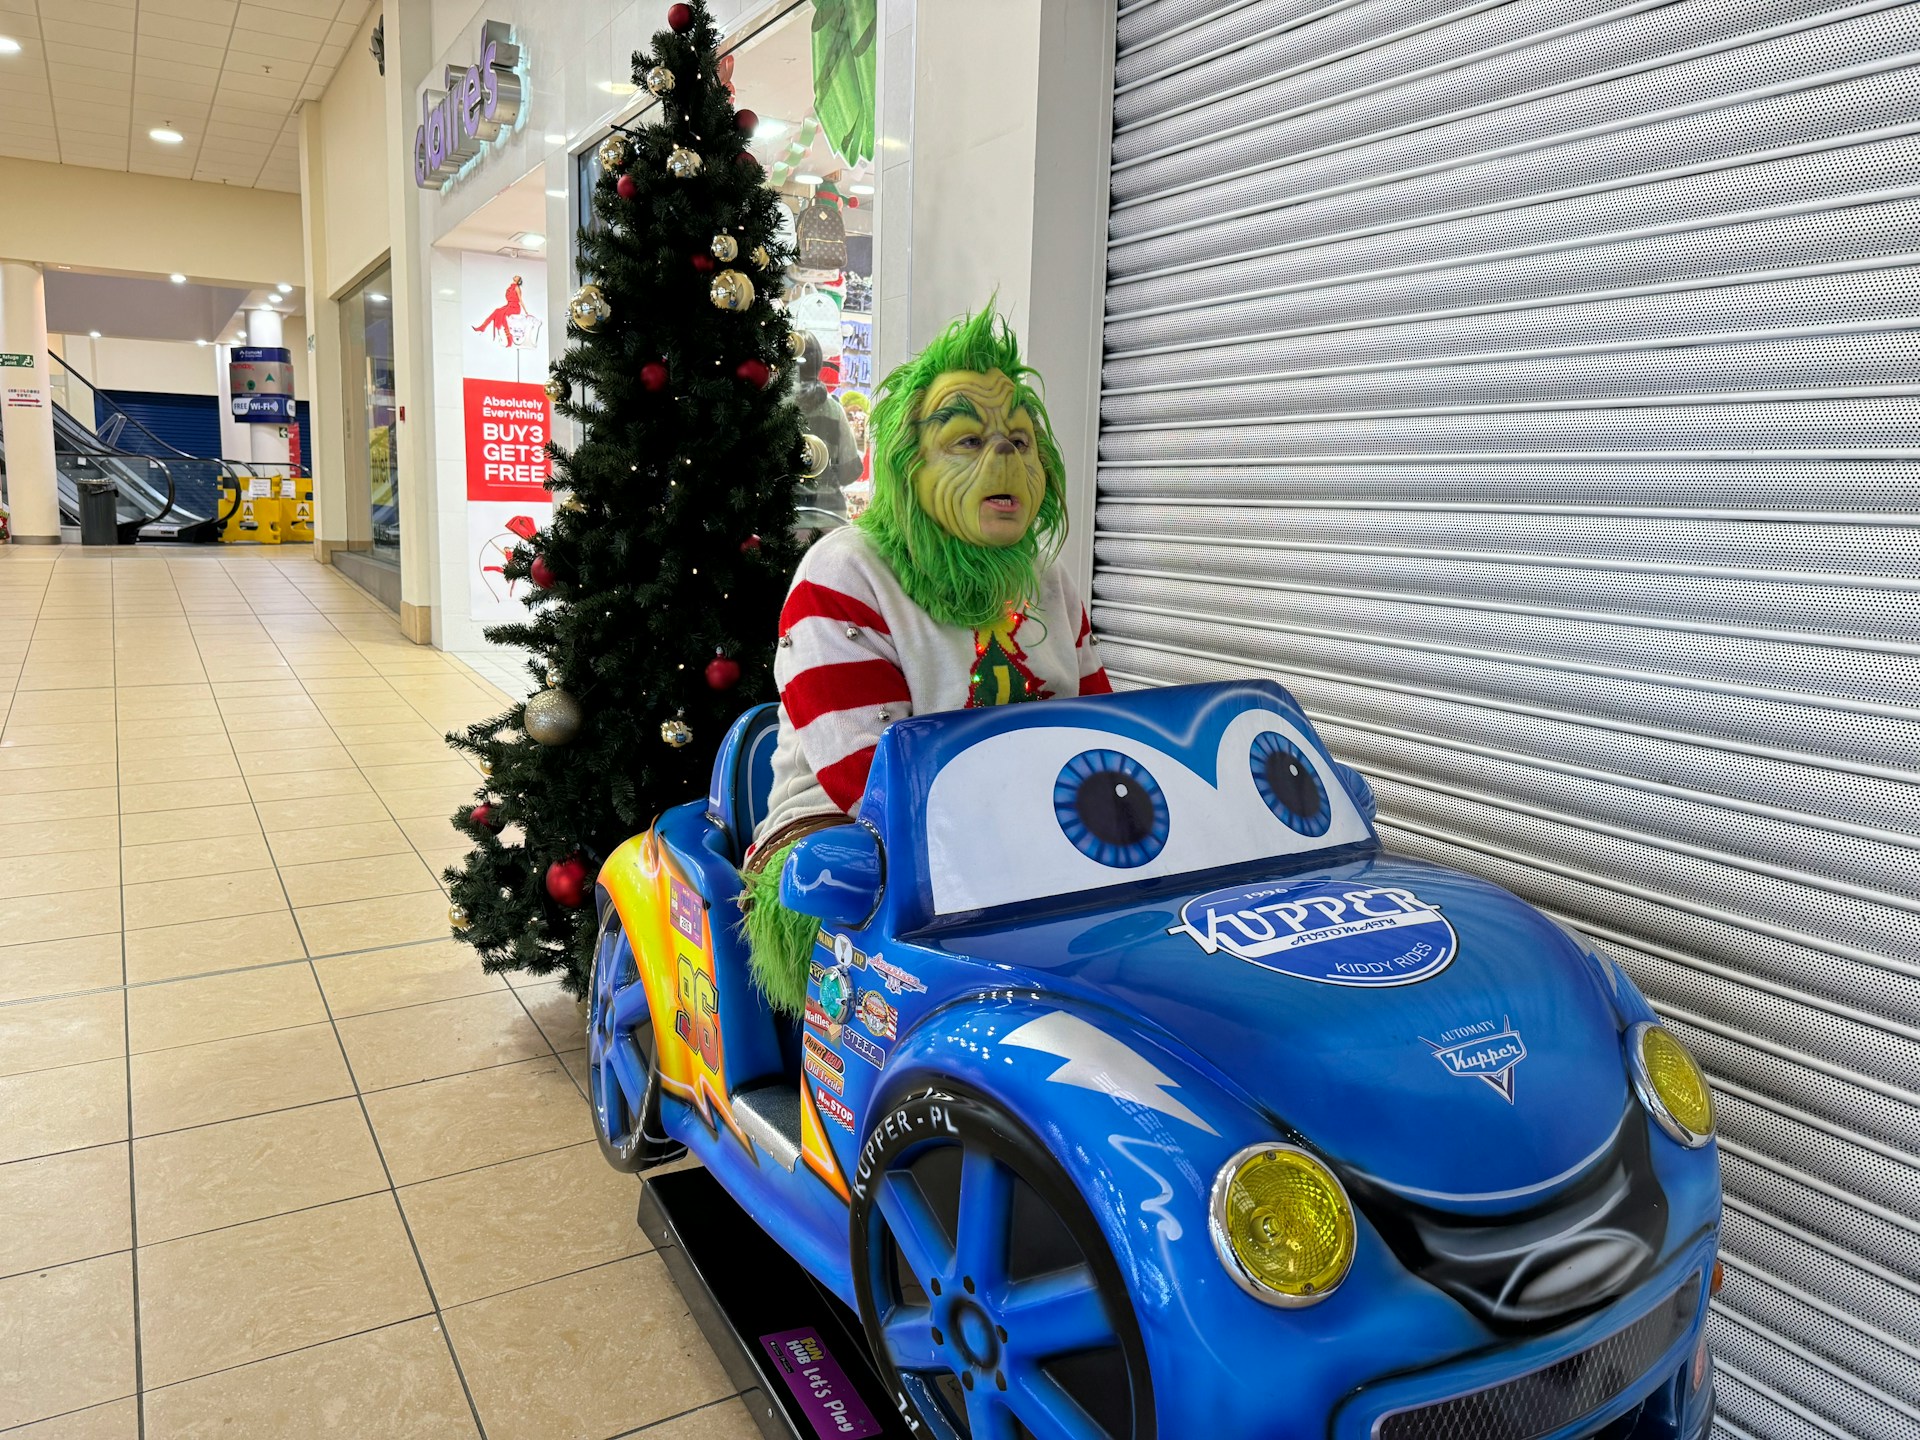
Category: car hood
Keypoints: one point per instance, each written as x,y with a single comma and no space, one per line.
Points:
1427,1031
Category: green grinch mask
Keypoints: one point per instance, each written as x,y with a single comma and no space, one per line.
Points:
968,485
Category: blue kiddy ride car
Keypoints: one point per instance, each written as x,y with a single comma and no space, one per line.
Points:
1141,1093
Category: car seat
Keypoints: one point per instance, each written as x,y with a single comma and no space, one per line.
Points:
743,777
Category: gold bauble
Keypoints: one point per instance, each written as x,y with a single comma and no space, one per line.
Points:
797,342
486,769
731,290
725,247
660,80
682,163
552,718
616,151
760,258
815,463
458,918
556,389
588,307
676,732
572,503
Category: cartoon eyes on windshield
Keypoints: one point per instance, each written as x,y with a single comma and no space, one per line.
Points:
1286,781
1111,809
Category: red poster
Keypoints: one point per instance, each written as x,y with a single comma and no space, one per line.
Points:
508,424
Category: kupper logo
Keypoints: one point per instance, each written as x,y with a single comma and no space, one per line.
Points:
1367,937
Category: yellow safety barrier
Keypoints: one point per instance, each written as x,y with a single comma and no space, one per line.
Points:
296,500
258,520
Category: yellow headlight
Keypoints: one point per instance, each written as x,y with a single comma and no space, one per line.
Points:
1282,1224
1671,1084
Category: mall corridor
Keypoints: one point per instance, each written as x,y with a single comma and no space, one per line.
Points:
276,1158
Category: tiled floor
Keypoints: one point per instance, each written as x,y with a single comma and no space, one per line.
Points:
276,1158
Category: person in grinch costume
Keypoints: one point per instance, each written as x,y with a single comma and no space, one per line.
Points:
946,594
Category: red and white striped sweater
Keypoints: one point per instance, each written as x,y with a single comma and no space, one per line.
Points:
856,653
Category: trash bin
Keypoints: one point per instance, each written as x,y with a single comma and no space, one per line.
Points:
99,512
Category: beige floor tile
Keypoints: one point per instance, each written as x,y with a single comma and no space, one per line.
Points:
230,1079
434,833
205,947
240,1170
153,743
92,911
480,1118
488,1231
15,758
25,875
181,795
274,741
268,712
253,689
186,763
50,837
261,1289
405,975
219,1007
365,924
71,1030
423,1042
436,801
70,777
216,855
74,804
379,757
559,1016
728,1420
116,1420
66,1338
279,816
350,675
59,967
178,827
205,728
267,764
391,732
556,1358
207,897
78,732
348,713
338,842
65,1207
306,785
577,1066
330,881
44,1112
397,1383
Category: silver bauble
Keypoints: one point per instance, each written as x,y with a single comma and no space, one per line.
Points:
815,463
725,247
682,163
588,307
676,732
616,152
730,290
660,80
552,717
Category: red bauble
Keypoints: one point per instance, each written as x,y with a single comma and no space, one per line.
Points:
853,202
626,187
567,881
679,18
703,263
542,572
653,376
482,815
746,120
755,372
743,158
722,673
750,545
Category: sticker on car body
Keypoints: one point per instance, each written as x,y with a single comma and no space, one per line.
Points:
1482,1051
1370,937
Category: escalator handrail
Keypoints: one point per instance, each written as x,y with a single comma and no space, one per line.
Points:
165,469
231,466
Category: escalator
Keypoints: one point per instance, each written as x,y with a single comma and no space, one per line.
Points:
161,492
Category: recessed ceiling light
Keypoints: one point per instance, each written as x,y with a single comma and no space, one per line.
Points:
860,189
530,240
554,137
284,288
556,194
200,342
93,334
178,279
447,293
376,298
618,87
9,45
165,136
239,334
807,179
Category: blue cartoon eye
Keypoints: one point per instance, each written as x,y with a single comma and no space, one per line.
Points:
1111,809
1287,782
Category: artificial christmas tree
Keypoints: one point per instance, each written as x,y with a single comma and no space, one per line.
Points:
672,545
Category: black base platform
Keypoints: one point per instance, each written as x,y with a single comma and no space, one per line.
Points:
794,1350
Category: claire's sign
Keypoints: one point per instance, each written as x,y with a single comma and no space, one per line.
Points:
481,102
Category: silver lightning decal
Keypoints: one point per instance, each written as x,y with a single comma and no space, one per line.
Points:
1097,1061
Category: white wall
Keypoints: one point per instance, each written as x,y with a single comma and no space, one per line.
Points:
353,119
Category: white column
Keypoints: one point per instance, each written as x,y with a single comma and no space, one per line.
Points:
26,409
269,441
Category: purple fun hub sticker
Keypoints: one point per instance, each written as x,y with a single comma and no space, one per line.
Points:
815,1379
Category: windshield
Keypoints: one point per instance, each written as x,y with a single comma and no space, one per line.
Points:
1056,809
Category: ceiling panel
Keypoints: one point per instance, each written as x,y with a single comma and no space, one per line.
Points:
95,76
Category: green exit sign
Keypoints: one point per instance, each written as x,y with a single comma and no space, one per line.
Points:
15,362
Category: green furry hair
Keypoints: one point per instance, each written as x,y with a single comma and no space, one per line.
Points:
955,582
780,941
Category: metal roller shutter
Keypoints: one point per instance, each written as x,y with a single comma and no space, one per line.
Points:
1532,388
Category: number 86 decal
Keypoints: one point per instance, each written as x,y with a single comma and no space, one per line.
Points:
697,1023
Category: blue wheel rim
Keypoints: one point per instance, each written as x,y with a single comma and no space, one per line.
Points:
972,1322
616,1068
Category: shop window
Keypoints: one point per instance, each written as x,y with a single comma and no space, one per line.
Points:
373,457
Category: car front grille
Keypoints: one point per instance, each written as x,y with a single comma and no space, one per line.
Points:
1556,1396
